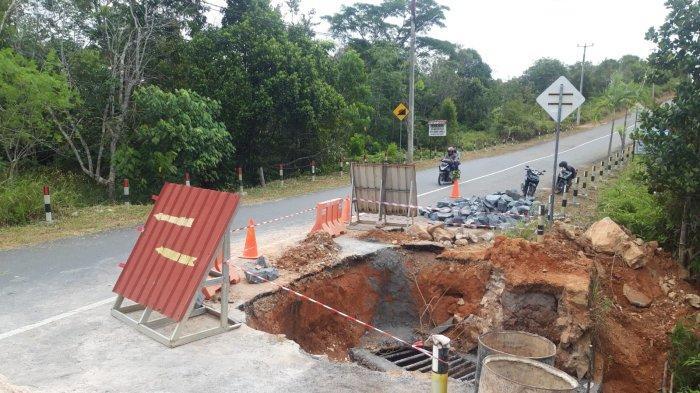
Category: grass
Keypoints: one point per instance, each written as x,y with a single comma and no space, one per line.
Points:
80,222
629,203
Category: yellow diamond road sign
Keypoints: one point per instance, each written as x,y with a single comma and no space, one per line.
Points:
401,111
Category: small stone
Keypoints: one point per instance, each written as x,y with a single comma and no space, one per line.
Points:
672,295
418,232
671,282
544,270
461,242
432,228
460,301
665,288
394,242
635,297
633,255
639,242
488,236
693,300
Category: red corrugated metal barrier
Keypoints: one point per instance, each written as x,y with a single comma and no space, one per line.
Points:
171,256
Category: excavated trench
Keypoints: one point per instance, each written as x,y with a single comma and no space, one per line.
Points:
410,294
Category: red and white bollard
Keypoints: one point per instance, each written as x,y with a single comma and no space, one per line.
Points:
281,175
313,170
47,204
240,179
187,179
126,192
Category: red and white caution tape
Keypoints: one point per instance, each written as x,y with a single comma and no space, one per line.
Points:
141,228
274,219
344,315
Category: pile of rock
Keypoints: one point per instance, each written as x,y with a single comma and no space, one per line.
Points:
438,235
499,210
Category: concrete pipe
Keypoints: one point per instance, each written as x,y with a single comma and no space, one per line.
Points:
510,342
512,374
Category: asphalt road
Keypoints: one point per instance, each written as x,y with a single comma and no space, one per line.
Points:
49,291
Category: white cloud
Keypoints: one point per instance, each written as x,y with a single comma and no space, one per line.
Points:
511,34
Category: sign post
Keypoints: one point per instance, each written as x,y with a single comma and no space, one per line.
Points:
559,100
437,128
401,111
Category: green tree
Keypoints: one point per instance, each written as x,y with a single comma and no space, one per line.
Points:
175,132
276,89
28,97
543,73
671,133
388,21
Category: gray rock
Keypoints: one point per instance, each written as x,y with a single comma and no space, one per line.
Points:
513,193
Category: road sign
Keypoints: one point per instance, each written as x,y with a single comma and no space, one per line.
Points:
401,111
571,99
437,128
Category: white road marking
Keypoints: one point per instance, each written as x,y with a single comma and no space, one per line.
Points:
111,299
55,318
514,166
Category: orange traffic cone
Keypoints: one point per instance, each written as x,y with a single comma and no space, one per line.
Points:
347,207
250,250
455,189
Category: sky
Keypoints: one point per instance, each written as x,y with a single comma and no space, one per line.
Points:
511,34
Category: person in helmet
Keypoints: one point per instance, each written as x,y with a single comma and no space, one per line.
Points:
452,158
571,171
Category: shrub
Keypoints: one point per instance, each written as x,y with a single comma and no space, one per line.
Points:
21,198
628,202
684,357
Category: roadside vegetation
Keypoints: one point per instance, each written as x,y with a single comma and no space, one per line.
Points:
151,91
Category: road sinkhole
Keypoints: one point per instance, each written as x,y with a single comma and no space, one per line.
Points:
413,293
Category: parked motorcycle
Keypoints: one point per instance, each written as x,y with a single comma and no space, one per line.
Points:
564,179
532,179
447,172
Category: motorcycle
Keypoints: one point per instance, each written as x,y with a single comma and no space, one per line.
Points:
564,179
532,179
447,172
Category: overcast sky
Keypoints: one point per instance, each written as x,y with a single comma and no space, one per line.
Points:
511,34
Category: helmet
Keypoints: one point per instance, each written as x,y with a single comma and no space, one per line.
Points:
563,164
451,149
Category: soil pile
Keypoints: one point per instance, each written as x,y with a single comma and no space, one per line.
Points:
318,248
632,341
566,288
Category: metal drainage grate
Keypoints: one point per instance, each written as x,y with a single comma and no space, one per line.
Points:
462,367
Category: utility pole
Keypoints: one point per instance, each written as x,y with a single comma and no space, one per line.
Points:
411,89
580,85
556,153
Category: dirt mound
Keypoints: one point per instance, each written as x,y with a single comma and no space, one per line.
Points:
317,248
633,341
382,236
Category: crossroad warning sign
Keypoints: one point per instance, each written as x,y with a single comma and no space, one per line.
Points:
571,99
401,111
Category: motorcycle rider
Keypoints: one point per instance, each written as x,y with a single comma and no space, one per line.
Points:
452,158
566,167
